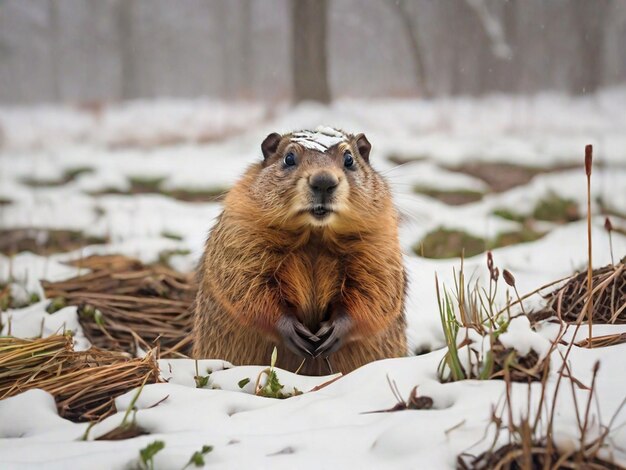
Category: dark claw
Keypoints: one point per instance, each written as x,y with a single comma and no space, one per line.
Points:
333,334
298,346
305,332
329,346
325,328
297,337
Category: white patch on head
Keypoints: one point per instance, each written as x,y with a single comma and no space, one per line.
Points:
321,139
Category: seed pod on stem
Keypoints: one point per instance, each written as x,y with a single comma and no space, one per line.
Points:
588,159
508,277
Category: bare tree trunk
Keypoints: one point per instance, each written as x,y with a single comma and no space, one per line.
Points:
493,28
247,54
309,56
590,20
229,50
128,85
55,46
409,24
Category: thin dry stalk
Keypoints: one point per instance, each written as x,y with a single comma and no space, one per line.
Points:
603,341
588,165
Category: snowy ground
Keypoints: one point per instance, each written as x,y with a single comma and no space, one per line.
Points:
204,146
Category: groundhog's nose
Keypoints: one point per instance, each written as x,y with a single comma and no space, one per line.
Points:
323,183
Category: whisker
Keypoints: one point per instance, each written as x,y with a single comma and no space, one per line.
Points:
397,167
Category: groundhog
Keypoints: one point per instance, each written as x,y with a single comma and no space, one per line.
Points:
305,257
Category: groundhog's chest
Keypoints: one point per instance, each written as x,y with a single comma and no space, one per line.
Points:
310,280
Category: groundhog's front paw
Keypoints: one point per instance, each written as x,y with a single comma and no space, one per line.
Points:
333,335
297,337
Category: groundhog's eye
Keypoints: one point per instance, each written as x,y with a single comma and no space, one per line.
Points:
348,161
290,159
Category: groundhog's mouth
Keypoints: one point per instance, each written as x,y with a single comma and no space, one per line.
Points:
320,211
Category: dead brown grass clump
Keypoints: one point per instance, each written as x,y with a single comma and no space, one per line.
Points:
124,305
609,296
529,437
515,456
521,368
471,321
84,384
529,440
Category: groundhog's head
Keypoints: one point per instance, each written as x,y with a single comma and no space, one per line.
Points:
320,178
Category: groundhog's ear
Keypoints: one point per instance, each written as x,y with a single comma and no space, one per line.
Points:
364,146
270,145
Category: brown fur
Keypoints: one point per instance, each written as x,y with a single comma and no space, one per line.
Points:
264,258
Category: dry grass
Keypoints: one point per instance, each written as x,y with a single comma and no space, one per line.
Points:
529,440
139,185
84,384
609,296
529,443
470,307
124,305
535,455
452,197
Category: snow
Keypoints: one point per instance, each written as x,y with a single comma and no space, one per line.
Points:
329,428
205,146
32,413
34,321
44,127
521,337
321,139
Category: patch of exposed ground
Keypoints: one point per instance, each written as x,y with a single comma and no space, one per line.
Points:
155,186
452,197
502,176
402,159
165,256
198,195
171,235
44,242
550,208
449,243
68,176
523,235
173,139
446,243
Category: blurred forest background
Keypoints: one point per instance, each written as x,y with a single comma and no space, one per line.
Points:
89,51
